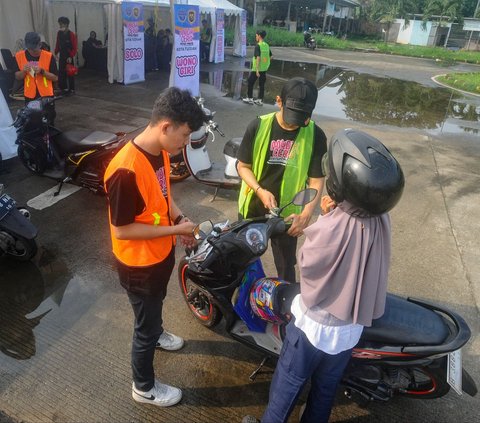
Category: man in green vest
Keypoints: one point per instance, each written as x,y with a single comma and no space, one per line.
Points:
281,154
205,41
260,65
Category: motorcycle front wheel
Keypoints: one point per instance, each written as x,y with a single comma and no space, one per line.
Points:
20,248
427,382
34,160
197,300
178,171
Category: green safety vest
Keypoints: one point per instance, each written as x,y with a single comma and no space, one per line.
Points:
296,171
264,57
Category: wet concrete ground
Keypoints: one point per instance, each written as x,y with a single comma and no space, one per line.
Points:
65,331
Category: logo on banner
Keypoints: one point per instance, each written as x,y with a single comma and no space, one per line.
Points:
192,16
186,65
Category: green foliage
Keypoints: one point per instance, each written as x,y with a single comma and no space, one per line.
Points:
463,81
449,10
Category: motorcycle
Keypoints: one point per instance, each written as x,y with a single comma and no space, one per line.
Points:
74,156
413,350
309,41
17,233
194,159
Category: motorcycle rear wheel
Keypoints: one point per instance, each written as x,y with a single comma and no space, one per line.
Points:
32,159
207,313
178,171
427,382
22,249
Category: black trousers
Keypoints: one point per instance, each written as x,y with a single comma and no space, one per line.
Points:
261,84
148,327
284,248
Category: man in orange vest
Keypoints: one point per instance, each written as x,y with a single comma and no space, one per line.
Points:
38,70
144,224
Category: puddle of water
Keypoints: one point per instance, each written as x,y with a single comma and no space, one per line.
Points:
28,292
364,98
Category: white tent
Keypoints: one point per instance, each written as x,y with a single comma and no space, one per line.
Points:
89,16
102,16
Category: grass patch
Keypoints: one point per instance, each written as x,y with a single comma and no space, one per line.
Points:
463,81
279,37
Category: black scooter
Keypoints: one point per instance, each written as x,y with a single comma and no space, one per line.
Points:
17,233
309,41
413,350
76,156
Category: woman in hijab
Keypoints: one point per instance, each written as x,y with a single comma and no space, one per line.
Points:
343,265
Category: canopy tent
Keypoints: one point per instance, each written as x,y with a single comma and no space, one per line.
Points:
102,16
89,16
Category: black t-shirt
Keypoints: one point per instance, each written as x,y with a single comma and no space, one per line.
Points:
280,144
126,202
33,61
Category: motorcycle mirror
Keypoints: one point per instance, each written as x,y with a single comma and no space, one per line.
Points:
301,198
202,230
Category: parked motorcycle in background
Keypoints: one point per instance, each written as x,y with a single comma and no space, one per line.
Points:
413,350
309,41
76,156
194,159
17,233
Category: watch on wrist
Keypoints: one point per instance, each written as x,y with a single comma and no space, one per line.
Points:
178,219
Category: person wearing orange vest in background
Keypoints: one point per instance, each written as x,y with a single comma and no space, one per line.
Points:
38,71
66,49
144,224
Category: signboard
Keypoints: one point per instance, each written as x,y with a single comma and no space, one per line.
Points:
220,39
243,23
133,42
186,60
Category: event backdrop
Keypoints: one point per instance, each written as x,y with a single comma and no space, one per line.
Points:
220,40
134,47
186,61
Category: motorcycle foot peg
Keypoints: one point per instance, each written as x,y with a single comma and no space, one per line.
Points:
254,374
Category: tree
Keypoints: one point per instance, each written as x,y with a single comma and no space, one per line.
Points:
448,10
386,11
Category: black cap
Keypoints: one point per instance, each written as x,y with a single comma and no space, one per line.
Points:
32,40
299,96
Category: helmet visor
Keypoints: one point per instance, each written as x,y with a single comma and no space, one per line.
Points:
325,165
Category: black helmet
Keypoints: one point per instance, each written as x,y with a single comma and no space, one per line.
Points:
360,169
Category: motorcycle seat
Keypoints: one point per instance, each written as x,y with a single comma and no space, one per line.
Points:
406,323
76,141
232,146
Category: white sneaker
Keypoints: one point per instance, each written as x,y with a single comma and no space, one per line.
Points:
161,395
258,102
248,100
170,342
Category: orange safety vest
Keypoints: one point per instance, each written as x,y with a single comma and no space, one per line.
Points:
40,82
143,252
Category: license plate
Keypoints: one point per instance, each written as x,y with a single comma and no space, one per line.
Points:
7,203
454,371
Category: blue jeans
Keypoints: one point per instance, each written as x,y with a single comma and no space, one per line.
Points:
299,361
148,327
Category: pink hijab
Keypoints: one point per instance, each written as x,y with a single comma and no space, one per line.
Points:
344,264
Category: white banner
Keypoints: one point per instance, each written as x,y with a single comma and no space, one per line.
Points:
186,60
8,134
243,30
134,43
220,39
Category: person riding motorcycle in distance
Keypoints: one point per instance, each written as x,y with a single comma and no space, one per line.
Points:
38,70
343,265
144,222
279,155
